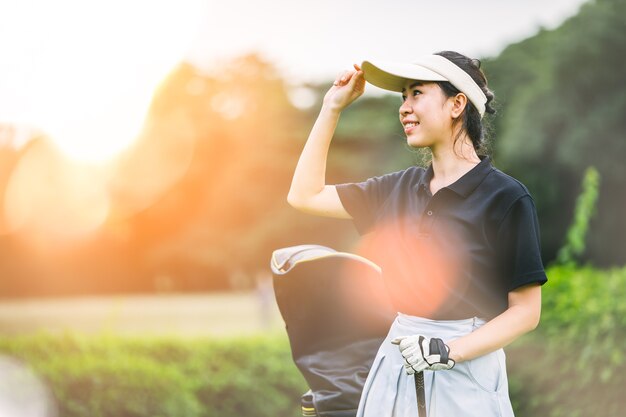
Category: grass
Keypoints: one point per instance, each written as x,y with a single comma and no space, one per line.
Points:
176,315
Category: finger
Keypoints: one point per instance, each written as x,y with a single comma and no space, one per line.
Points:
346,76
343,78
419,367
410,350
409,342
340,78
398,339
414,360
409,361
357,67
418,363
413,369
355,77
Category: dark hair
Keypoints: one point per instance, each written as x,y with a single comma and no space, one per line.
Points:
472,122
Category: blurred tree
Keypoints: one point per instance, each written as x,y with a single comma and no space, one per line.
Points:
229,210
202,194
563,101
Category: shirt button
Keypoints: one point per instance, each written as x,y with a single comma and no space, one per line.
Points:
430,213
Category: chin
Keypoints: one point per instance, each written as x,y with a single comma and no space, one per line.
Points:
416,143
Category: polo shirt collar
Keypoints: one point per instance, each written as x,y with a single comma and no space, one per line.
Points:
467,183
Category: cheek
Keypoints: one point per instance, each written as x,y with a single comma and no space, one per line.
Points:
427,107
437,114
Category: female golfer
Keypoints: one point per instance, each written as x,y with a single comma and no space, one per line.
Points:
458,242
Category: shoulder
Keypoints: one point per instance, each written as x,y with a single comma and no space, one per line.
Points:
505,186
407,174
381,187
405,177
504,194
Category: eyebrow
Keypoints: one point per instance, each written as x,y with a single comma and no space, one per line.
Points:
415,84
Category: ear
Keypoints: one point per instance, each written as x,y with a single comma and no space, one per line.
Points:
458,105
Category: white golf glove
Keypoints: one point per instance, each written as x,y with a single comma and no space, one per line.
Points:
421,353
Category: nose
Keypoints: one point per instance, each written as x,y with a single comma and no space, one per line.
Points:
405,109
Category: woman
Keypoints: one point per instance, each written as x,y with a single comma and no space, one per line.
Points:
458,241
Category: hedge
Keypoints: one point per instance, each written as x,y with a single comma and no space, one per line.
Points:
573,365
108,376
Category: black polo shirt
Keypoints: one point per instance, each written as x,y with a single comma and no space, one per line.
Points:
453,255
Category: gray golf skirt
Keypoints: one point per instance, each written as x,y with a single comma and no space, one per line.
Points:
476,388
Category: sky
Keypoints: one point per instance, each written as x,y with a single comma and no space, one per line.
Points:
68,67
313,40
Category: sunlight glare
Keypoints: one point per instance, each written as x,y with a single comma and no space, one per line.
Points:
135,185
87,74
50,195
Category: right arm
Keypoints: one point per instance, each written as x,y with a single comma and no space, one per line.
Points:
309,192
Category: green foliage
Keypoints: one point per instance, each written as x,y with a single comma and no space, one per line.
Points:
585,208
562,103
587,307
113,377
572,365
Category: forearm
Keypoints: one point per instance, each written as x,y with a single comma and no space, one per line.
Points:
518,319
309,177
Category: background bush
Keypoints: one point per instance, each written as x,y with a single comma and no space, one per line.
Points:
114,377
572,365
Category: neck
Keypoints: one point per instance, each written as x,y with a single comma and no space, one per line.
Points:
451,163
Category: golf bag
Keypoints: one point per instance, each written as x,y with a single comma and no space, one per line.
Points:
336,315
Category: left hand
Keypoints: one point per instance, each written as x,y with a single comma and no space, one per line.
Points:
421,353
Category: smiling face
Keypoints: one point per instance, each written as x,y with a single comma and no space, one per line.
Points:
425,114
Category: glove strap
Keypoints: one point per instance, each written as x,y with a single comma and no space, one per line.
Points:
437,345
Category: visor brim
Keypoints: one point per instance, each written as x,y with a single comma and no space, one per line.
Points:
393,76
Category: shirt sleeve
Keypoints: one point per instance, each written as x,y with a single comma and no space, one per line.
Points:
519,250
363,200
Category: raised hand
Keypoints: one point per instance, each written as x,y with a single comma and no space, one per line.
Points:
348,86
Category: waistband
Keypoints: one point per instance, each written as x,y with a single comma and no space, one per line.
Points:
446,329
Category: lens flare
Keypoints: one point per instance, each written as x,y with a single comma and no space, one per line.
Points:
161,157
86,78
49,195
422,275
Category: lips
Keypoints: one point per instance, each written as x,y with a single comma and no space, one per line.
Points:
408,126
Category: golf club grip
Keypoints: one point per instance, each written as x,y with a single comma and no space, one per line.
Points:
420,394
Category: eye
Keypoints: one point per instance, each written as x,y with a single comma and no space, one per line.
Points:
414,92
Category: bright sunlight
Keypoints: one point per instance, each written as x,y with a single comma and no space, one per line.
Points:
84,73
81,76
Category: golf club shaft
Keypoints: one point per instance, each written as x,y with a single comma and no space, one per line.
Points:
420,394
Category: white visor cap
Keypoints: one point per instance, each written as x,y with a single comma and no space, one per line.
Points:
393,76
